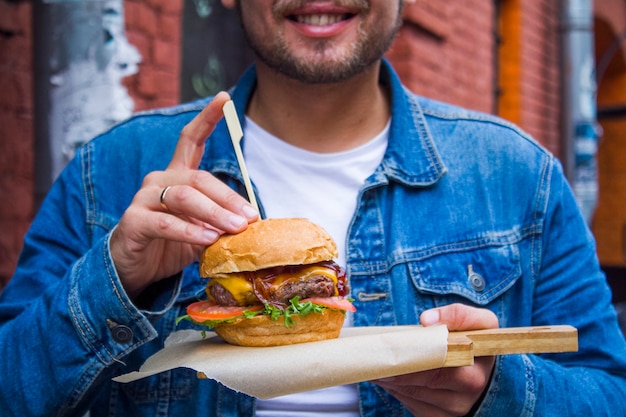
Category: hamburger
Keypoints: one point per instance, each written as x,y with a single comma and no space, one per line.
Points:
276,283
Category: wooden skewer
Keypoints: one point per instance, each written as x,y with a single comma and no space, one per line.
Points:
236,134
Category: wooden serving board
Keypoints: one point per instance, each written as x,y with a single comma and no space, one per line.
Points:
463,347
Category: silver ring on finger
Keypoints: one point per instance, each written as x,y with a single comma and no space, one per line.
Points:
162,198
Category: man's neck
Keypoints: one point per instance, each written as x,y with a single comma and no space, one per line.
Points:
320,118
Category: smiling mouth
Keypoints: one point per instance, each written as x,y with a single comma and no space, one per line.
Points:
320,19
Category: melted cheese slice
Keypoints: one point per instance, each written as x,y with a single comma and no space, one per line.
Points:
242,289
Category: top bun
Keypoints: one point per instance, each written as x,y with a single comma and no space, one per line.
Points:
266,244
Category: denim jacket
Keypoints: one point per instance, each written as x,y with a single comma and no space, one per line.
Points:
463,208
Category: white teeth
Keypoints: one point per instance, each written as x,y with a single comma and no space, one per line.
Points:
319,19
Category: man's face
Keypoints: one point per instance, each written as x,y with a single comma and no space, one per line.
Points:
320,41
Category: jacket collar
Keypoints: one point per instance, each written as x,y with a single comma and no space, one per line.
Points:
411,157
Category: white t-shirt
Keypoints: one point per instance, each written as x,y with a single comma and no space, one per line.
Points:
322,187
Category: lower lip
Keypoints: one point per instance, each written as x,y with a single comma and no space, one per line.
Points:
325,31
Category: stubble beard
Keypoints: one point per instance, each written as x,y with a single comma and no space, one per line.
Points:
326,66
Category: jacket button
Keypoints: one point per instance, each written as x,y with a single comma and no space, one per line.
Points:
477,282
120,332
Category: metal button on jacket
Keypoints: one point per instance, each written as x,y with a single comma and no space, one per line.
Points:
120,332
476,280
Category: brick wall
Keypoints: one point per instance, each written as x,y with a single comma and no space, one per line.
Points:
445,51
529,69
540,72
449,51
16,131
609,223
154,28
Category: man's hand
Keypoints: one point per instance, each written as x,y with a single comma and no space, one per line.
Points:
154,241
446,391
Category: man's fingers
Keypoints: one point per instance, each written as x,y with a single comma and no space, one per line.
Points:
428,402
460,317
197,195
195,205
465,379
190,147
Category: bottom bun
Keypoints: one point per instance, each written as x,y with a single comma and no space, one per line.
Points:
262,331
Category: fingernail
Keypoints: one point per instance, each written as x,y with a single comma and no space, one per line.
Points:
237,221
430,317
250,212
210,235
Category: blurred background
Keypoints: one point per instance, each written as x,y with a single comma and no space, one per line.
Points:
70,69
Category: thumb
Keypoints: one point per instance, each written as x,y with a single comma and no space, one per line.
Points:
460,317
190,146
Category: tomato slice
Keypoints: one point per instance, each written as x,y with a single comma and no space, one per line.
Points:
202,311
340,303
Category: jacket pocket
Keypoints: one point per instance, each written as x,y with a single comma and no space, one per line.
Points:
479,274
167,386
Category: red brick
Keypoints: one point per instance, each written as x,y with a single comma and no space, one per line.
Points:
18,201
141,103
16,145
8,17
143,43
11,242
166,55
170,28
146,83
15,53
164,101
167,82
434,20
132,12
16,90
142,18
167,6
610,240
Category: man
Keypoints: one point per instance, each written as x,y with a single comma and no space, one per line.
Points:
443,216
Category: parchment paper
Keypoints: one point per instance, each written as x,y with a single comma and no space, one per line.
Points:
359,354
